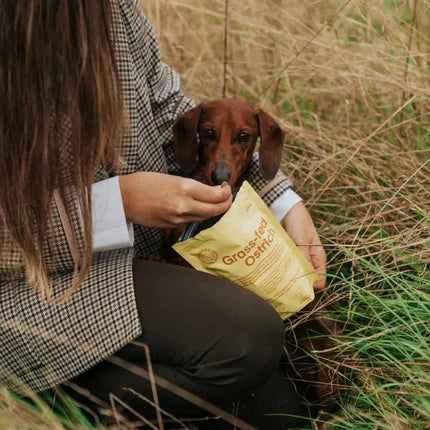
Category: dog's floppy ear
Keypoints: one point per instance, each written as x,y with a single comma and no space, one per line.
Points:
271,144
185,139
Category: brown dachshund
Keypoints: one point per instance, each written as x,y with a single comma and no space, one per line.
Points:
215,141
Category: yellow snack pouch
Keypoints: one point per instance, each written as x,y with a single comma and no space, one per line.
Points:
249,247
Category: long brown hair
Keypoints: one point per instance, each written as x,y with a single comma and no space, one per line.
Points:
60,99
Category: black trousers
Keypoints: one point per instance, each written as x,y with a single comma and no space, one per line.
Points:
209,336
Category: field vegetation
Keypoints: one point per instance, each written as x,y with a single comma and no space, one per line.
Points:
349,81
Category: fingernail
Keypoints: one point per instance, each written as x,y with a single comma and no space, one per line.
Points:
224,184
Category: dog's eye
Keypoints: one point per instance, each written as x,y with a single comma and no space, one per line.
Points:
208,134
243,138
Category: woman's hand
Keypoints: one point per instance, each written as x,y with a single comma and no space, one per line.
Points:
299,225
160,200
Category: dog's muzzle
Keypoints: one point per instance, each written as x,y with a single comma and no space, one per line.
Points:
221,173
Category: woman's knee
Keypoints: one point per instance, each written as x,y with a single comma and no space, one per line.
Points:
248,348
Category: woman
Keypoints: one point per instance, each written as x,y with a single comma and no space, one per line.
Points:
85,149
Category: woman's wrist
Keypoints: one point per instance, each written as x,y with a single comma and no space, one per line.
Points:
124,186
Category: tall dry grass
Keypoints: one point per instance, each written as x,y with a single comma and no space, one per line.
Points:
349,81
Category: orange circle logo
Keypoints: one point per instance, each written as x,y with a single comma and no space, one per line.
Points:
208,256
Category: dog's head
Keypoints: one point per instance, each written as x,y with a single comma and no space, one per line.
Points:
215,141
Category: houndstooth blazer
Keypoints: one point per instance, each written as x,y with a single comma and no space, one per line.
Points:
43,344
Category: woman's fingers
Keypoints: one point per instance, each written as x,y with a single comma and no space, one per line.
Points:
299,225
202,210
207,193
319,261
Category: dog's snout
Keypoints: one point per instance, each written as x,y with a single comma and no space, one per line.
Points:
221,173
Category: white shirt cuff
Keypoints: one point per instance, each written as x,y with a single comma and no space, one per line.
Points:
284,203
110,228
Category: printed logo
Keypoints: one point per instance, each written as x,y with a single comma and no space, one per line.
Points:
208,256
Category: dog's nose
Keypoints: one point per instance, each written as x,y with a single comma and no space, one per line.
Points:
220,174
